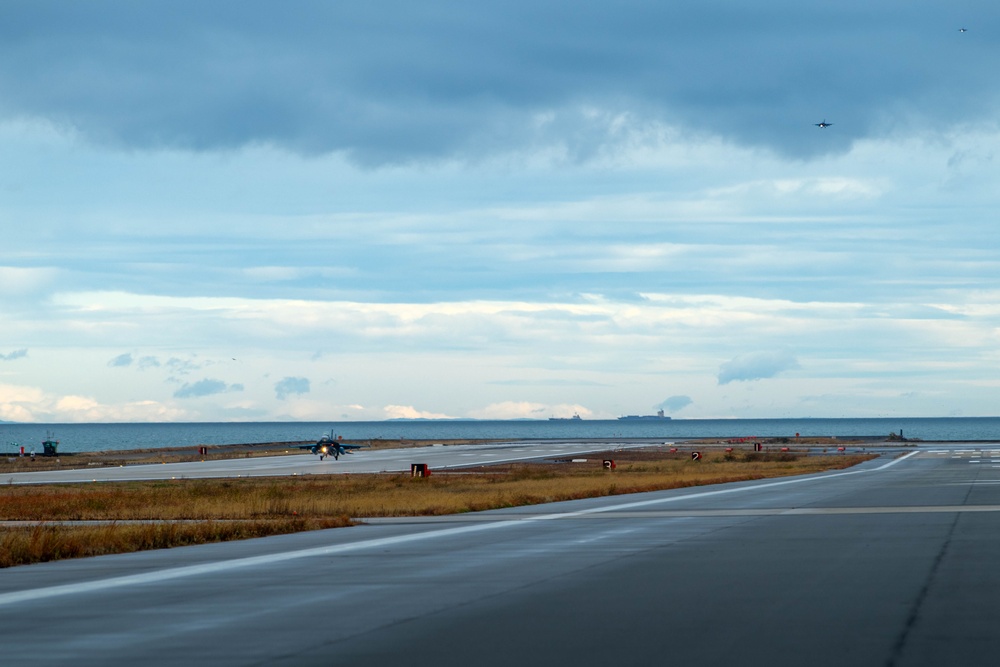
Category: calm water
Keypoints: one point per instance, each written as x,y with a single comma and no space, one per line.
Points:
98,437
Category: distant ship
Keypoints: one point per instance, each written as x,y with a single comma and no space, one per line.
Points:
657,417
564,419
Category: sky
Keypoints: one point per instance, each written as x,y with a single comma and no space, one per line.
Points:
348,211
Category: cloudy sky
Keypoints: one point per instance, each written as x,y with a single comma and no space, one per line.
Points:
368,210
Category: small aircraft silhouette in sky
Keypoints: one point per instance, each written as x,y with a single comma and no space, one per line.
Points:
823,124
963,30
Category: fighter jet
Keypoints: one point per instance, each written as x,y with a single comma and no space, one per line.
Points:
329,445
823,124
963,30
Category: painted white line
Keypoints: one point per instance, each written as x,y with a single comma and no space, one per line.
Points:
239,563
688,514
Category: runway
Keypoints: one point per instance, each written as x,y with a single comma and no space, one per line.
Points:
436,457
891,563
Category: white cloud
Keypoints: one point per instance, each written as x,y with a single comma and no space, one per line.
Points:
805,188
31,404
530,410
410,412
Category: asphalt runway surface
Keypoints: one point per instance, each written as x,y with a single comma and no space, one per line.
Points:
890,563
436,457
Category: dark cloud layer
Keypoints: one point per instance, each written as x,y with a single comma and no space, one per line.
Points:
397,81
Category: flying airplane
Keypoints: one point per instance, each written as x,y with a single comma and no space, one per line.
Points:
328,445
963,30
823,124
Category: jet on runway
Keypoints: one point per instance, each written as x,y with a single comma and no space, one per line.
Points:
328,445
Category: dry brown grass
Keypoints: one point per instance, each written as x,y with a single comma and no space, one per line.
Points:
45,542
390,494
239,508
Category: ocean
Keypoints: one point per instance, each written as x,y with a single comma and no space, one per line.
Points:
103,437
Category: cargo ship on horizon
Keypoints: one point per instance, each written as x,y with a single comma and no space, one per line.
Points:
659,416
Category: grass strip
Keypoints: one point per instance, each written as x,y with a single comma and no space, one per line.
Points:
46,542
226,509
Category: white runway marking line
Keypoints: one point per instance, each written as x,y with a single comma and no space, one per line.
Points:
693,514
239,563
606,535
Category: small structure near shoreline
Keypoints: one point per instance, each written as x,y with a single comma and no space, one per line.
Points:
50,446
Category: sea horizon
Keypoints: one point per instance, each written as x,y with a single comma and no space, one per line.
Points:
477,419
